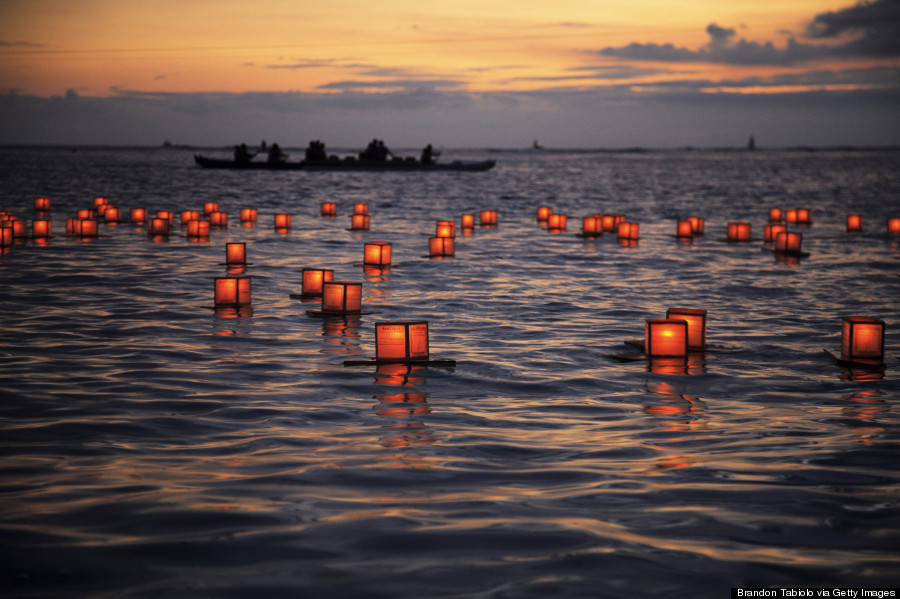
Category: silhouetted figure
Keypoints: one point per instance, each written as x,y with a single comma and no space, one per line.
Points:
276,155
428,155
376,151
316,151
242,155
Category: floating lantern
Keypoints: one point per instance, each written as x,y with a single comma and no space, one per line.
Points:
893,226
248,215
20,228
854,223
665,338
775,215
738,231
86,228
138,215
862,340
696,325
314,280
282,221
377,253
441,246
70,225
189,215
7,236
219,219
329,209
166,214
401,340
361,208
684,229
40,228
628,231
787,242
488,218
467,221
209,208
697,224
340,297
84,213
556,223
111,215
609,223
99,203
445,228
771,231
232,292
42,204
790,216
359,222
236,254
592,226
158,226
804,216
543,213
198,229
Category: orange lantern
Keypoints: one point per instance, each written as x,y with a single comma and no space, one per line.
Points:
775,215
696,325
609,222
209,208
86,228
771,231
445,228
314,279
543,213
790,216
84,213
70,225
359,222
664,337
684,229
628,231
862,339
488,218
7,236
198,229
804,216
158,226
248,215
361,208
556,223
893,226
217,218
329,209
40,228
341,297
697,224
166,214
787,242
467,221
189,215
232,292
592,226
377,253
854,223
20,228
99,203
441,246
42,204
401,340
111,215
738,231
282,221
236,254
138,215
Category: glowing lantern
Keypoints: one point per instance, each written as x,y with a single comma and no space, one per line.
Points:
665,337
339,297
138,215
70,225
862,339
209,208
158,226
99,203
696,325
697,224
790,216
804,216
854,223
556,223
684,229
7,237
84,213
111,215
775,215
361,208
248,215
738,231
609,223
787,242
189,215
40,228
445,228
893,226
329,209
592,226
86,228
198,229
282,221
628,231
219,219
488,218
467,221
314,279
359,222
20,228
42,204
232,292
772,231
166,214
543,213
401,340
377,253
441,246
236,254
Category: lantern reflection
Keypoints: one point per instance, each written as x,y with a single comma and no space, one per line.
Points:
398,373
377,253
342,333
401,340
313,280
862,340
854,223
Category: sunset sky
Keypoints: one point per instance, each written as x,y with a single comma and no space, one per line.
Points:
572,73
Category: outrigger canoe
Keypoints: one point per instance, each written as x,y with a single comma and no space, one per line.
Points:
348,164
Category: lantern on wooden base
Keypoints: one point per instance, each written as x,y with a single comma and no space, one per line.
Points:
696,325
862,340
236,254
359,222
249,216
377,253
788,243
488,218
314,279
771,231
40,228
738,231
775,215
592,226
197,230
341,297
282,221
328,209
401,341
138,216
232,292
209,208
441,247
628,231
158,227
543,213
698,225
665,338
804,216
893,226
42,204
218,219
684,230
445,228
854,223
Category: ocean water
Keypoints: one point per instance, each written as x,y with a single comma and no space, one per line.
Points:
153,447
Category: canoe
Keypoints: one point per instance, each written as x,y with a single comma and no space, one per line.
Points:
348,164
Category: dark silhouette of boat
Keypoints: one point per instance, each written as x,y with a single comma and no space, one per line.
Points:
350,163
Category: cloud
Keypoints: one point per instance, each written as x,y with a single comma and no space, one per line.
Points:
876,26
391,84
20,44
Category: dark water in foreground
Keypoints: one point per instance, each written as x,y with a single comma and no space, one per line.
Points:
150,447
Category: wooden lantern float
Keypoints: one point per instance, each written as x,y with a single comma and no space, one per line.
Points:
341,297
314,279
696,325
328,209
235,254
738,231
804,216
218,219
628,231
359,222
789,243
467,221
556,223
232,292
698,224
893,226
138,215
592,226
377,253
401,341
249,215
488,218
684,230
854,223
441,246
282,221
775,215
543,213
665,338
445,228
862,340
112,215
361,208
40,228
158,227
209,208
771,231
197,229
42,204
